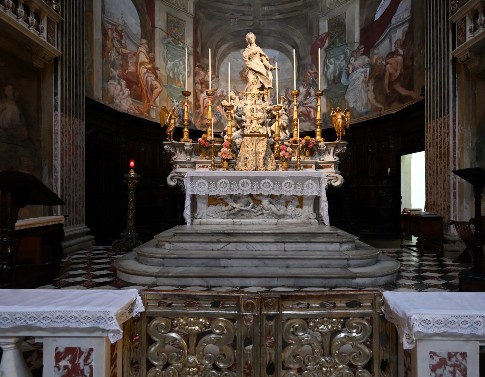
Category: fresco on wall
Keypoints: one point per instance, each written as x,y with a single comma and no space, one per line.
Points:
370,70
374,74
131,78
20,131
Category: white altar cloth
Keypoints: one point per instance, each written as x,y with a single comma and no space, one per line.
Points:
435,313
311,183
72,309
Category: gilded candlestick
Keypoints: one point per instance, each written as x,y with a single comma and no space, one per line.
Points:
210,132
318,118
295,93
185,137
229,108
277,135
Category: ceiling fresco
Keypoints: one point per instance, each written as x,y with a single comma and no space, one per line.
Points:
371,54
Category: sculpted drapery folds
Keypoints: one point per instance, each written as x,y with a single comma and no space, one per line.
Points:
258,67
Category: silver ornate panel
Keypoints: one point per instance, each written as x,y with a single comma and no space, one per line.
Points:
295,334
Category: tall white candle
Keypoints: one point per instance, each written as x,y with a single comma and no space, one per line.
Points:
319,68
229,82
277,91
294,69
186,68
210,70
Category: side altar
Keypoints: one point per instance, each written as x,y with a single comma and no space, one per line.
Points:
256,209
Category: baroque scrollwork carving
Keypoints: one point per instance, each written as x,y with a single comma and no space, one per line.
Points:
191,346
326,347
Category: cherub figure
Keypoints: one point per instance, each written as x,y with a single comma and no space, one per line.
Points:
169,119
340,121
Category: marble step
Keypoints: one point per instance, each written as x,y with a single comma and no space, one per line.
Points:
221,238
269,255
361,255
382,272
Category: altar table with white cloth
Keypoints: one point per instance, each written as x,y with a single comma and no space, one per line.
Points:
444,330
306,184
72,324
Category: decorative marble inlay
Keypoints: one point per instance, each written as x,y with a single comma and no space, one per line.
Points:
74,362
448,364
461,32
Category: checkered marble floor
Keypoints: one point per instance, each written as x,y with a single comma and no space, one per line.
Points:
93,269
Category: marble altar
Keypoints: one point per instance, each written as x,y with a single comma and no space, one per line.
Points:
259,220
237,197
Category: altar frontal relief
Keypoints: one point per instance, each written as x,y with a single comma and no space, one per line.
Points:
371,56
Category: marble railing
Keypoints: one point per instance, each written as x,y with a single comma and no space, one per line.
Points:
36,23
189,156
81,330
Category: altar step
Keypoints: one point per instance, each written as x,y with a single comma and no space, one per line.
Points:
298,256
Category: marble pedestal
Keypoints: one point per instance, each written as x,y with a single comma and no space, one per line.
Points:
267,255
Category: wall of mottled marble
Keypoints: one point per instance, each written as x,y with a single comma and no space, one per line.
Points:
372,58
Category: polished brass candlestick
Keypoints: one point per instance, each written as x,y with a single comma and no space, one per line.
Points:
318,119
229,108
277,136
210,132
295,93
213,157
129,238
185,137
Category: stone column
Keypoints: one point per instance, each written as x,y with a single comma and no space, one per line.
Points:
69,128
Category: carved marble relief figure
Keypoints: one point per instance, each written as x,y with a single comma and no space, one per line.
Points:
20,131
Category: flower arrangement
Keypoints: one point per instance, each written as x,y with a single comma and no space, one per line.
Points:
226,153
204,141
204,145
307,145
285,151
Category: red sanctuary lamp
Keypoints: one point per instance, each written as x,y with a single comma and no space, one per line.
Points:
129,238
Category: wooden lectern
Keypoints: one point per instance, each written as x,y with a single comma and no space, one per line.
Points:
17,189
475,280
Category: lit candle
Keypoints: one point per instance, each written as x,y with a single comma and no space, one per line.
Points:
132,164
277,96
186,68
294,69
210,70
229,82
319,68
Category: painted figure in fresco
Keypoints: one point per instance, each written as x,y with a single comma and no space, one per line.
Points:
394,69
355,77
148,77
258,67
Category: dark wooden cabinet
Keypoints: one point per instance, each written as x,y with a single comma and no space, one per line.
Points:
428,228
39,251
